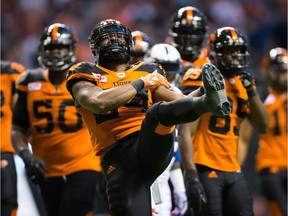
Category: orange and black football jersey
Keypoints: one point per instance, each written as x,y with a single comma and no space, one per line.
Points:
272,150
108,128
192,77
216,139
59,136
10,71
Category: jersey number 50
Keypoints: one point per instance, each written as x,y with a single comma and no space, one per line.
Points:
61,116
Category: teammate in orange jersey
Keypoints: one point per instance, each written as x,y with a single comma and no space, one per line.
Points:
10,71
215,139
62,163
188,31
134,137
271,158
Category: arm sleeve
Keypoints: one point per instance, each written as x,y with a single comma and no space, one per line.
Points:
20,112
177,180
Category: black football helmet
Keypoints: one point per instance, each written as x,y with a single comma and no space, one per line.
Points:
110,41
188,29
229,51
274,66
141,45
57,46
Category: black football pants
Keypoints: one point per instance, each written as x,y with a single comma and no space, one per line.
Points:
133,165
71,195
8,185
274,187
228,193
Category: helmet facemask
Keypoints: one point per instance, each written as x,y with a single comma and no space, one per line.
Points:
276,69
189,46
231,60
277,76
188,28
111,43
57,53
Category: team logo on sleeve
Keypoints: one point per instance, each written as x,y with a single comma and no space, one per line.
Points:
102,79
35,86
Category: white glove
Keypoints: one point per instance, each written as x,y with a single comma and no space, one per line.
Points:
181,203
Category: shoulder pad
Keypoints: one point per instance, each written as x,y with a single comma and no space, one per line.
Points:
8,67
83,67
31,76
151,67
82,71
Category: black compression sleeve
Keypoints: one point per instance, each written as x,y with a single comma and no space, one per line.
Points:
20,112
178,111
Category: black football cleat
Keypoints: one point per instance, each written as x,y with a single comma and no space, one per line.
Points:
214,84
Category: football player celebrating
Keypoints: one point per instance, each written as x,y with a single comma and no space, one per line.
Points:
62,163
134,137
215,139
10,71
188,30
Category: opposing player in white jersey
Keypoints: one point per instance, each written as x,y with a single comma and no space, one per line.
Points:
168,56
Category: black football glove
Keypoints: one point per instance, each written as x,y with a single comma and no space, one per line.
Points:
248,82
35,168
247,79
195,192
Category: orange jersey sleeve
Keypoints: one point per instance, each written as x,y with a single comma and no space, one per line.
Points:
216,140
192,77
10,71
272,150
108,128
59,135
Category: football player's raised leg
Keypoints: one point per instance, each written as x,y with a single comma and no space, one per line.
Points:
191,108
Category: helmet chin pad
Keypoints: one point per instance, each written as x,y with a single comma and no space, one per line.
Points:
114,53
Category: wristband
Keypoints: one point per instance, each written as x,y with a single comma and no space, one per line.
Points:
138,85
191,173
251,93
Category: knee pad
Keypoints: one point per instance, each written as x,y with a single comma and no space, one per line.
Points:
164,130
152,118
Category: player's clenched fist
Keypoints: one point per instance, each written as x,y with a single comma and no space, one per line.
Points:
155,79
